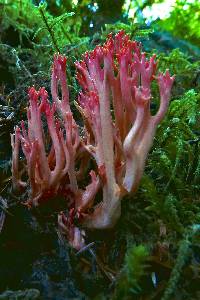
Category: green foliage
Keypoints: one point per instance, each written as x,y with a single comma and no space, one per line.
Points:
183,253
173,166
53,25
62,30
170,213
134,30
186,108
14,14
40,27
186,71
132,273
184,21
177,136
29,37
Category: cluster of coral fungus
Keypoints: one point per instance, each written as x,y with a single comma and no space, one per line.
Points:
118,132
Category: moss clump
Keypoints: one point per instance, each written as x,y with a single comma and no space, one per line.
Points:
132,273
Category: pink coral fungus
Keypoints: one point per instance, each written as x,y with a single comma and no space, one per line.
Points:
118,132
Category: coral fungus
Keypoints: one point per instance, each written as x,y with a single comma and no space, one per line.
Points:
118,132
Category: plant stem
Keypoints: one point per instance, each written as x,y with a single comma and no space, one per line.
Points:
49,29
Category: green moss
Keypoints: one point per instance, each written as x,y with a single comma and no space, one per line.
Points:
132,273
182,256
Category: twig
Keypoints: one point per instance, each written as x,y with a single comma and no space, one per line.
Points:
83,249
48,28
2,214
